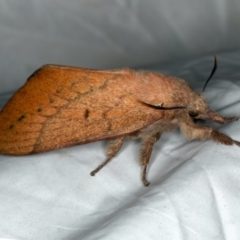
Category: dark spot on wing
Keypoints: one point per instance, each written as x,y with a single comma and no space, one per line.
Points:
86,114
59,90
21,118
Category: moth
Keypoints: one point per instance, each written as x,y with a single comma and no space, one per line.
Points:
61,106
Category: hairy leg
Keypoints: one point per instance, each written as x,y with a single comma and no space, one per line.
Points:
195,132
112,149
146,151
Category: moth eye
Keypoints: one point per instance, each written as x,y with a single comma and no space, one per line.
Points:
192,113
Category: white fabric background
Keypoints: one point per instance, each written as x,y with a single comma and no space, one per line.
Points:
110,33
195,186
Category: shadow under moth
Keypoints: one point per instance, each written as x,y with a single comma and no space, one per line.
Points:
61,106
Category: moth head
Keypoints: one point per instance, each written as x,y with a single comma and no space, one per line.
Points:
198,108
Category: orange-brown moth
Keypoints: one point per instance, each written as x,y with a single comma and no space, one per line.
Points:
61,106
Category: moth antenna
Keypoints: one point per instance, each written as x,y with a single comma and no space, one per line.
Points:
213,71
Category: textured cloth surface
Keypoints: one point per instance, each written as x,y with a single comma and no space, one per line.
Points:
194,191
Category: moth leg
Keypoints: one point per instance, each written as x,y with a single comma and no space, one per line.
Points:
112,149
145,155
220,119
194,132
